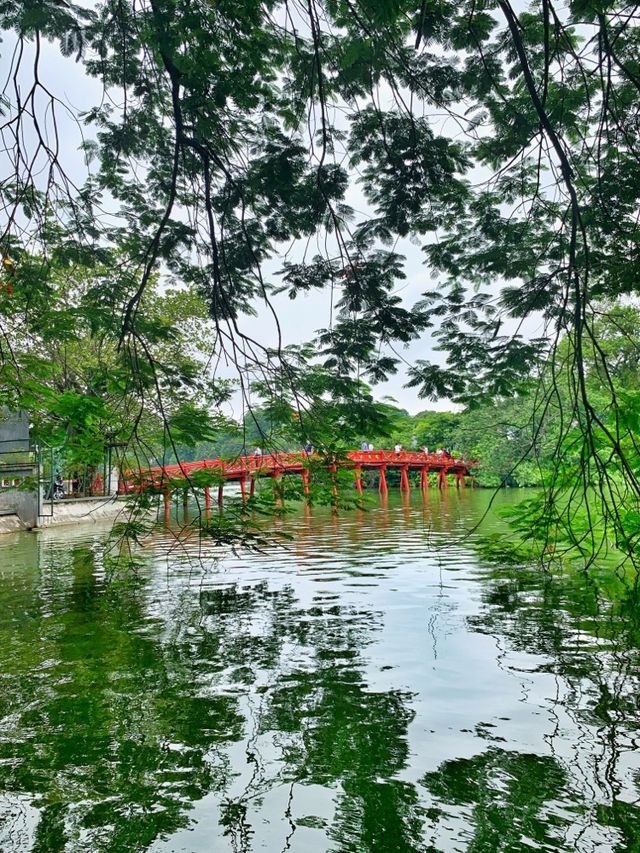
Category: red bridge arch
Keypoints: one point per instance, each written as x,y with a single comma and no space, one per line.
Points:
247,469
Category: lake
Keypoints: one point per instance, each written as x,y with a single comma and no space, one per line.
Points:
371,686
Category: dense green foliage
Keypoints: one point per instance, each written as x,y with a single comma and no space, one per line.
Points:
512,443
525,439
84,392
498,436
503,141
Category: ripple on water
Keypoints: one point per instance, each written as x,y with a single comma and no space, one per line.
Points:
370,686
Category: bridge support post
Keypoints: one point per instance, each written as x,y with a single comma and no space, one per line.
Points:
405,486
460,480
424,478
305,482
334,489
278,496
167,505
442,480
243,488
358,473
185,499
220,490
383,480
207,497
252,487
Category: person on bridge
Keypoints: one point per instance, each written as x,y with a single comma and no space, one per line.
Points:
257,451
425,450
364,445
398,449
308,448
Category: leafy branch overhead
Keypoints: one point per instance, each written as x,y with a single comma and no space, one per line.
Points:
227,137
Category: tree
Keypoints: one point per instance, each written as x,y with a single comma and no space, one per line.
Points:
230,132
83,392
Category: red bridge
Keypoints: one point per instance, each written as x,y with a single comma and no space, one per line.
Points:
247,469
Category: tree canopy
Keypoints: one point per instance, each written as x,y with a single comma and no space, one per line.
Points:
503,140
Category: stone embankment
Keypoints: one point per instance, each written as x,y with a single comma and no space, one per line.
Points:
67,511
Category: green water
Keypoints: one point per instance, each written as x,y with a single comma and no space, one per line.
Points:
372,687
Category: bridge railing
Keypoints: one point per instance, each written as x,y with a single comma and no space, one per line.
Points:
273,463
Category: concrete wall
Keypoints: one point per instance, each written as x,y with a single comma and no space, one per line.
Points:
23,504
81,510
10,524
68,511
18,508
20,502
14,431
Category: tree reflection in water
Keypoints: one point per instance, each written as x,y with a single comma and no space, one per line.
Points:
294,701
584,629
504,798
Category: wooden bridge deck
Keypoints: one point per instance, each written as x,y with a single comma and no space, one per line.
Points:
275,465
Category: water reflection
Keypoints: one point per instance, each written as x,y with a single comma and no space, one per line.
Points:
370,687
581,633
